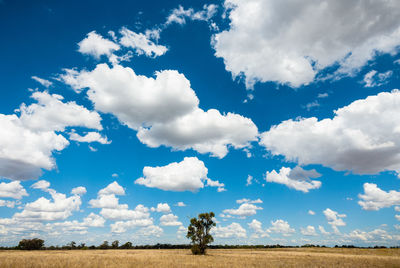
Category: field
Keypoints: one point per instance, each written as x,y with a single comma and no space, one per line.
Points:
300,257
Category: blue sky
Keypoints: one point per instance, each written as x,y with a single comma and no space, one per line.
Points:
124,120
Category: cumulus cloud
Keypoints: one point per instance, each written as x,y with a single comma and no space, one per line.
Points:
281,227
95,45
169,220
89,137
43,82
179,15
310,212
59,207
243,210
162,207
322,230
375,198
141,43
13,189
297,178
80,190
334,219
362,137
187,175
111,209
375,79
308,231
234,230
256,227
164,110
42,185
286,42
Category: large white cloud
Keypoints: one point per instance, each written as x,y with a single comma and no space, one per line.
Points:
136,100
375,198
256,227
28,141
289,42
12,189
362,137
297,178
204,131
187,175
164,109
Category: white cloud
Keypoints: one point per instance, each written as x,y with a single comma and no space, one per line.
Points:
89,137
397,217
205,132
373,236
220,185
135,100
286,42
311,105
187,175
297,178
164,110
243,210
322,95
42,185
6,203
334,219
112,188
179,15
180,204
122,226
169,220
93,220
308,231
43,82
256,227
152,230
397,208
363,137
28,141
311,212
12,189
50,113
375,79
249,201
281,227
80,190
96,45
141,43
162,207
43,209
249,180
375,198
234,230
322,230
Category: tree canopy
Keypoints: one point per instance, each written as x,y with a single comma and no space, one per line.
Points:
199,232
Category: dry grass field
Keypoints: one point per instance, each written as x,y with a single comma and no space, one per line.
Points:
303,257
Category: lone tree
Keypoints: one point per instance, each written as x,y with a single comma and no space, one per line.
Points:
199,232
31,244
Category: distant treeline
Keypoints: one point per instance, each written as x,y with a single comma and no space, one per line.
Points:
38,244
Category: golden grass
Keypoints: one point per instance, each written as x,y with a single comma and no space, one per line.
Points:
302,257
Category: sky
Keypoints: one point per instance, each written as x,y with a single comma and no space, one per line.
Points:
121,120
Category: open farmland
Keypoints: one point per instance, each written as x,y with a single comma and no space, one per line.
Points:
300,257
